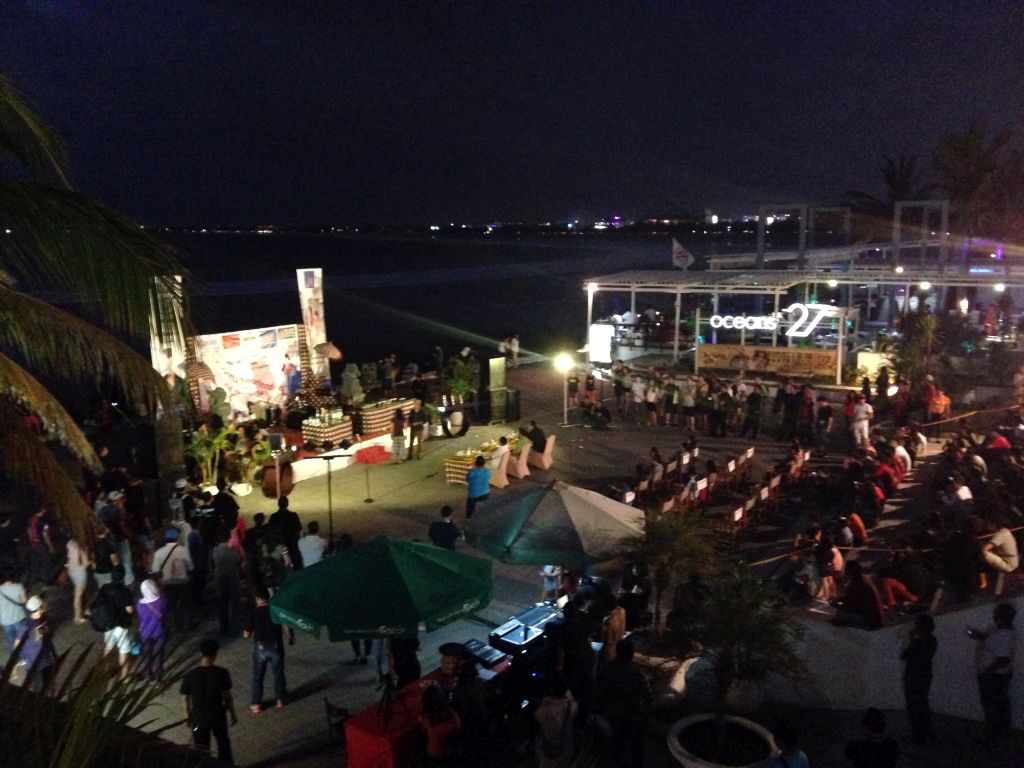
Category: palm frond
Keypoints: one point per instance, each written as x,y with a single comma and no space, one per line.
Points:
17,385
65,241
54,341
28,465
27,139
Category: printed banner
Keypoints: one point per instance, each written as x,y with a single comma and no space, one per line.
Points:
261,365
788,360
311,299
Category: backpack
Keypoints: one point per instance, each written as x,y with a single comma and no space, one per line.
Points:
104,614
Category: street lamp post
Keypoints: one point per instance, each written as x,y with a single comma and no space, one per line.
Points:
563,364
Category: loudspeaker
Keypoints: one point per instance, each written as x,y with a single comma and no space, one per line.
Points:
496,374
499,405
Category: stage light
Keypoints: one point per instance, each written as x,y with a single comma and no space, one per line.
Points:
924,285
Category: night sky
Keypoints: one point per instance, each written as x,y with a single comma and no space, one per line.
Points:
184,113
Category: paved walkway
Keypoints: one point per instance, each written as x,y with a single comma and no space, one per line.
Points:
407,498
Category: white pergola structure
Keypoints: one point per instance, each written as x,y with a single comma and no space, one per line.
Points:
779,284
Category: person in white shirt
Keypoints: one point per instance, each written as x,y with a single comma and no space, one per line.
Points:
993,662
1001,552
172,563
500,451
899,450
78,571
312,545
862,415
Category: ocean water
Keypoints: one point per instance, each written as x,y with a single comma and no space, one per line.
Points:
404,294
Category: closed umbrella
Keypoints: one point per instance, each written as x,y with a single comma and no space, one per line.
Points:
556,523
384,588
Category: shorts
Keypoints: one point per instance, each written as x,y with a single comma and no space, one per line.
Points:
78,576
652,407
119,638
689,410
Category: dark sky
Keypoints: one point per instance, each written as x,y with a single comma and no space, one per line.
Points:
300,112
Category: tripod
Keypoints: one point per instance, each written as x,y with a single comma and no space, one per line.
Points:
389,699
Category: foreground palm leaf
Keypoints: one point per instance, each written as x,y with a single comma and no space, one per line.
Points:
57,245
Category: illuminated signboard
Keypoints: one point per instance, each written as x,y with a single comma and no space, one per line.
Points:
803,319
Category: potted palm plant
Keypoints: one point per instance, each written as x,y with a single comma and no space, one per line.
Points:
205,447
744,638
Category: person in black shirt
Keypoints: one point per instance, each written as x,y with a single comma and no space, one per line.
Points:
267,649
286,529
538,440
917,676
875,750
824,419
206,696
8,544
402,660
444,533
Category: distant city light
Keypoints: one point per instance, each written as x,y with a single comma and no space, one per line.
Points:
769,220
435,228
714,218
899,269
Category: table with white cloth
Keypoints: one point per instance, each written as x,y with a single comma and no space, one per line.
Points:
456,467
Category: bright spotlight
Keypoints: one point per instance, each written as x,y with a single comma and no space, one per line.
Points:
833,283
892,390
924,285
1000,287
563,362
769,220
899,269
591,287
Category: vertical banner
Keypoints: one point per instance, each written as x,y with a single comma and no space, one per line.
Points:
166,334
311,298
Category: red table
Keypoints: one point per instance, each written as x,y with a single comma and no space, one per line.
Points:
398,743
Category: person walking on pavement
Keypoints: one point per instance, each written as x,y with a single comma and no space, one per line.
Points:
208,702
287,528
478,482
418,419
267,650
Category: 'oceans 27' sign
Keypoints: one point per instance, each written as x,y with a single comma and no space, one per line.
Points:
804,318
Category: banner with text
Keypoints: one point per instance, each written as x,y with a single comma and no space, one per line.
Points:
311,299
260,365
790,360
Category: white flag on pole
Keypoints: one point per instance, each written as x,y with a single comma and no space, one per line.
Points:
681,257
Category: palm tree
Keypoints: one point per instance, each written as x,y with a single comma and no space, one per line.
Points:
53,238
968,164
903,180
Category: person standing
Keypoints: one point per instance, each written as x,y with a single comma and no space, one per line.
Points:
267,650
112,615
104,557
398,437
554,718
514,348
861,423
550,577
478,481
418,419
208,702
917,676
173,567
78,571
823,421
624,696
227,572
312,546
151,609
753,407
42,551
444,533
993,660
34,644
286,530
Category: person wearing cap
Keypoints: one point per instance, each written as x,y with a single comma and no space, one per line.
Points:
172,566
181,504
34,644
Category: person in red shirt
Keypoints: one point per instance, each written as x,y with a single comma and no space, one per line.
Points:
861,605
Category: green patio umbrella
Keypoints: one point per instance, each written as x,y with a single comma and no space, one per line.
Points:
552,524
384,588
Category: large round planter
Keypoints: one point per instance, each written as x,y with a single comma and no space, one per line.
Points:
686,758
